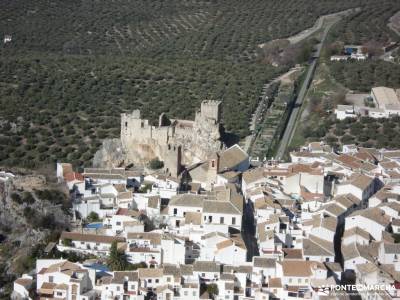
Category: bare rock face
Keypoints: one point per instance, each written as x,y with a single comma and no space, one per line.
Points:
110,154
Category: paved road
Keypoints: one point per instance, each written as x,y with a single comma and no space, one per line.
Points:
291,125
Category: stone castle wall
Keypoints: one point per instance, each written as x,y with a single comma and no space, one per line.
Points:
197,138
173,141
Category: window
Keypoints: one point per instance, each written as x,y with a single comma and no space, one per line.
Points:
194,293
126,124
290,280
157,280
306,280
175,211
227,297
168,279
117,288
149,281
59,294
299,280
213,164
233,220
210,219
327,259
51,278
221,220
132,287
186,293
118,223
203,274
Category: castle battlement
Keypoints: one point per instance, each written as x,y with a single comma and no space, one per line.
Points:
192,141
211,109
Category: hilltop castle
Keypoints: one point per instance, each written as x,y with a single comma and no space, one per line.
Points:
175,142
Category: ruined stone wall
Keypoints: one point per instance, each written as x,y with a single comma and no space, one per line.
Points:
196,140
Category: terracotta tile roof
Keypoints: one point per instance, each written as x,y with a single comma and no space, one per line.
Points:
334,266
231,157
25,282
296,268
275,282
357,231
47,286
150,273
127,212
243,269
119,277
347,200
231,242
75,236
66,168
264,262
206,266
253,175
186,270
359,180
334,209
375,214
292,253
311,248
74,176
153,237
355,250
188,200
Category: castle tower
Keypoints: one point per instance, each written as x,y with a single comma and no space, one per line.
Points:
173,160
213,165
211,109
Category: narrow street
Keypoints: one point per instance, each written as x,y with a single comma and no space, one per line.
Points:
249,231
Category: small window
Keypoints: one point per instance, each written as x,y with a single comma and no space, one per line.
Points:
149,281
51,278
117,288
59,294
233,220
194,293
186,293
157,280
118,223
221,220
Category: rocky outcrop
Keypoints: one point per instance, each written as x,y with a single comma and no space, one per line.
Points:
110,154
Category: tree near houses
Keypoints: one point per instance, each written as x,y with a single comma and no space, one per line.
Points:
117,260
